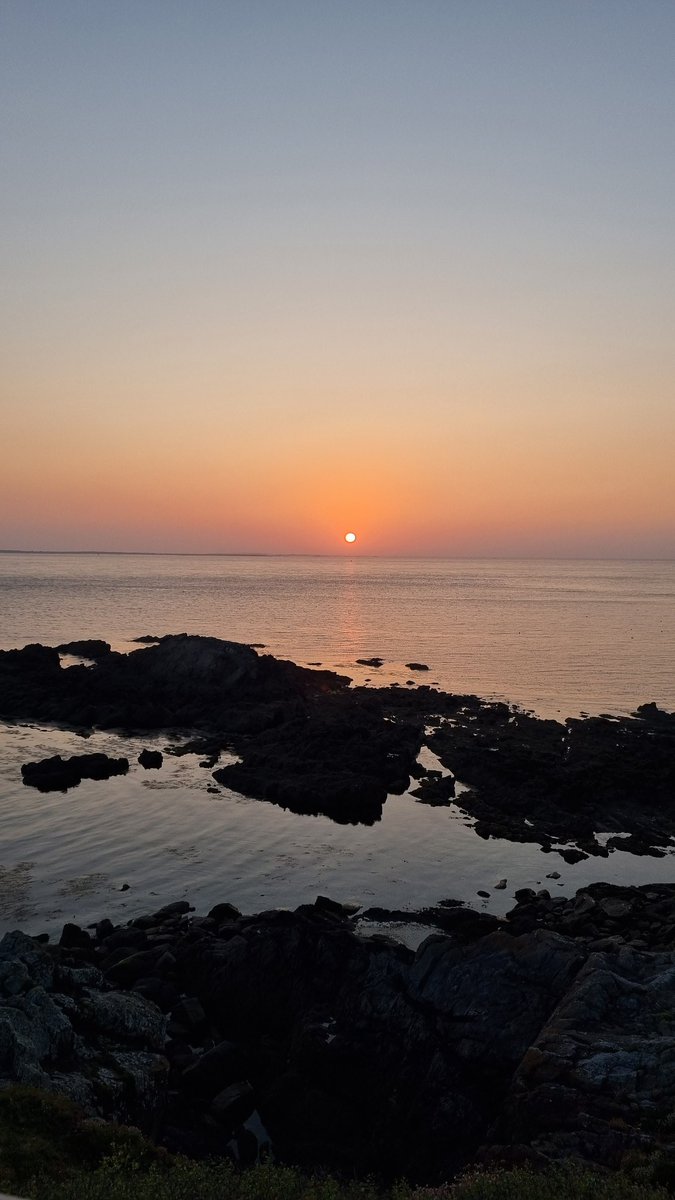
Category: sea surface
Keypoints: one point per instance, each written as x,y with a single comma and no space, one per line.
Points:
556,637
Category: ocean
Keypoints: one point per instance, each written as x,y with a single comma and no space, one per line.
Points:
555,637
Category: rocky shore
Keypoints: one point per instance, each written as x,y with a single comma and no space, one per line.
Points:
544,1035
548,1035
309,742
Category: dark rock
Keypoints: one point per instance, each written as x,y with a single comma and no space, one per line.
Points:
177,908
435,790
214,1070
60,1032
59,774
415,666
126,971
370,662
151,759
331,906
234,1104
571,855
189,1013
85,648
224,912
160,991
72,936
128,937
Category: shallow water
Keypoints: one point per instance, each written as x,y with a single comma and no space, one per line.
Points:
558,637
66,856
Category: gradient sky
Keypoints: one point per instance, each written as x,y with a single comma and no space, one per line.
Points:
276,269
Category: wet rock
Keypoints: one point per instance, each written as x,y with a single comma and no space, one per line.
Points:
151,759
438,790
415,666
58,774
370,662
571,855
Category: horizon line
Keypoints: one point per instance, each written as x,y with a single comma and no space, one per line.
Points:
325,554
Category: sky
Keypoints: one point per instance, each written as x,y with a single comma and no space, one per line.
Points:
273,270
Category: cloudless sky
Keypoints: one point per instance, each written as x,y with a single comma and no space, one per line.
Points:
276,269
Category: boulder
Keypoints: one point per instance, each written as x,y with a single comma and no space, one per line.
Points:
151,760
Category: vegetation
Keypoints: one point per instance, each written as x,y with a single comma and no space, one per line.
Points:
50,1151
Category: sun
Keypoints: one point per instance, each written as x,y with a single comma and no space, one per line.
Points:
350,537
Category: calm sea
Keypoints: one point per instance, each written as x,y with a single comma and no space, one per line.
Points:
558,637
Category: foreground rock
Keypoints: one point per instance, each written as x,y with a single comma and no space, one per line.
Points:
61,1029
225,1030
312,744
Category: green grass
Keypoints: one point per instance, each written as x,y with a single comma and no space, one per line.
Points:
50,1151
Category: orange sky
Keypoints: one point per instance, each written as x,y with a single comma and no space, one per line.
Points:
271,276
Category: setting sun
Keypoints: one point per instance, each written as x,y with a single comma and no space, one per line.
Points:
350,537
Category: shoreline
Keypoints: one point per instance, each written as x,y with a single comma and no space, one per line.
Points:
303,1029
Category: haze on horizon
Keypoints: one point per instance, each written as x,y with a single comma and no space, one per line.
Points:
273,272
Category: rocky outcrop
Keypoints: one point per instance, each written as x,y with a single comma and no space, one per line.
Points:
542,781
355,1052
600,1078
62,1030
339,757
310,743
